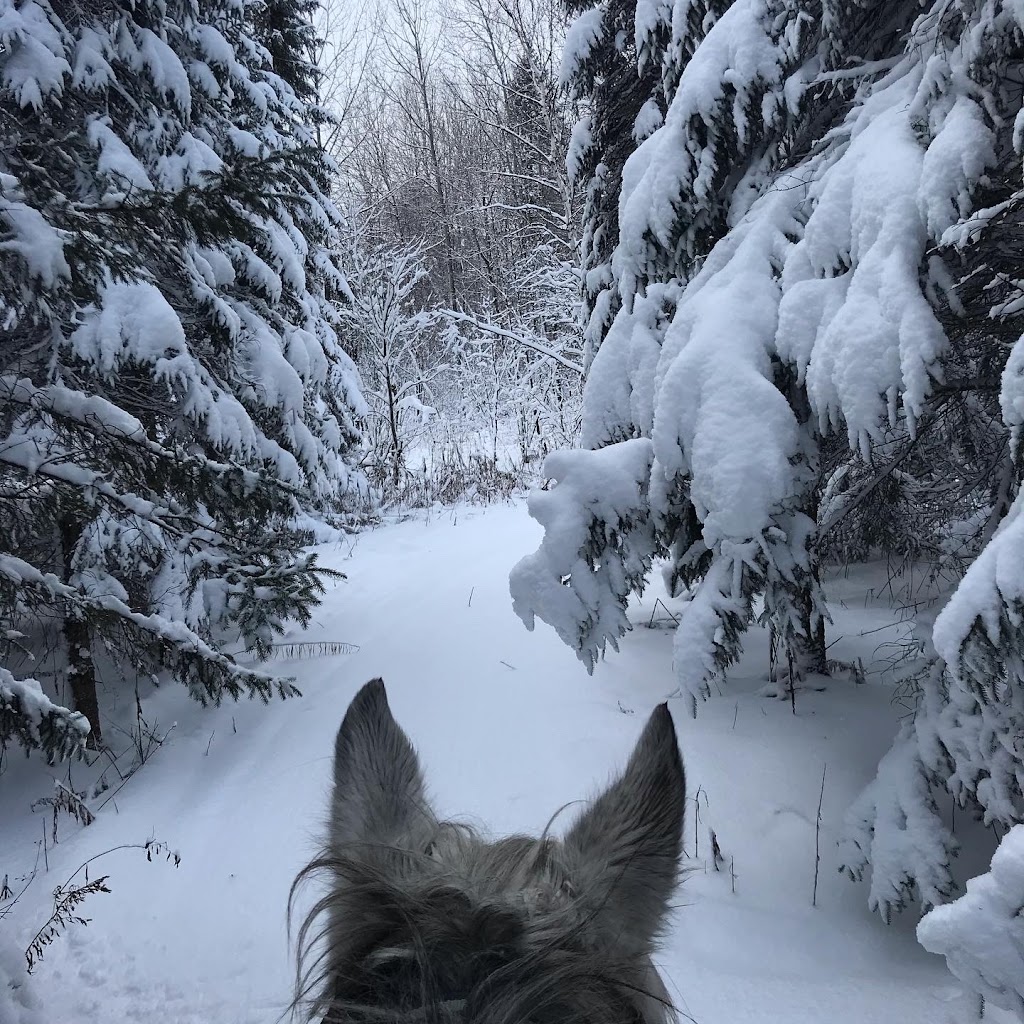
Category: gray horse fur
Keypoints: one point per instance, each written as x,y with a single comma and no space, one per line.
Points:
424,920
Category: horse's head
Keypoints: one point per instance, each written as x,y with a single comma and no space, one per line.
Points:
424,921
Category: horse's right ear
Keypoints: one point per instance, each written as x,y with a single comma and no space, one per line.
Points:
378,786
624,850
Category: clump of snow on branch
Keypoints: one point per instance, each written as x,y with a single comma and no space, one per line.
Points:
981,934
984,616
598,534
580,39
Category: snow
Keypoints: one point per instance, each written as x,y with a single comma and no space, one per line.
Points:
648,120
191,159
696,641
894,824
246,143
619,390
165,69
509,728
135,321
214,46
257,272
1011,395
581,141
737,57
92,70
961,152
651,17
115,158
286,252
878,336
981,935
594,491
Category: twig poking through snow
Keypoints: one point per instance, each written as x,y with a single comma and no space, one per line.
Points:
668,612
817,837
696,820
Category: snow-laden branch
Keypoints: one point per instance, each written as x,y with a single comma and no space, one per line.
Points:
36,721
517,337
597,548
197,656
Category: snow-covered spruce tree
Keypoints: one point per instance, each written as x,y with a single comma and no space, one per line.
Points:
817,244
173,396
699,329
287,31
964,739
614,76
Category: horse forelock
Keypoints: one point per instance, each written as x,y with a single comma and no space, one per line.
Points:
458,929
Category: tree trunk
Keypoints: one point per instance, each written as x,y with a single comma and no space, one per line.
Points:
396,442
81,671
435,166
811,646
808,653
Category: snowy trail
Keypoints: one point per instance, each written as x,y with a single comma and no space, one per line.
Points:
509,728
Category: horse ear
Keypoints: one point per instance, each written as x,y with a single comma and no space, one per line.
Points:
378,786
623,851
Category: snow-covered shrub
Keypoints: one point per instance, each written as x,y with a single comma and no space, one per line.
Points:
462,405
603,66
27,714
894,834
395,345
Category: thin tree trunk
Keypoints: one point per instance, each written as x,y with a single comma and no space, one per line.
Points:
811,652
396,444
81,671
807,649
435,163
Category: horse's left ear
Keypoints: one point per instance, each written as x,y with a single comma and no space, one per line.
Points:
378,785
623,852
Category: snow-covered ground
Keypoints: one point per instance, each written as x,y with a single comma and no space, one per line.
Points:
509,727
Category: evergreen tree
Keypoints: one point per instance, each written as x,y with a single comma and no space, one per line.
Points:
287,32
174,400
736,96
819,315
614,76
